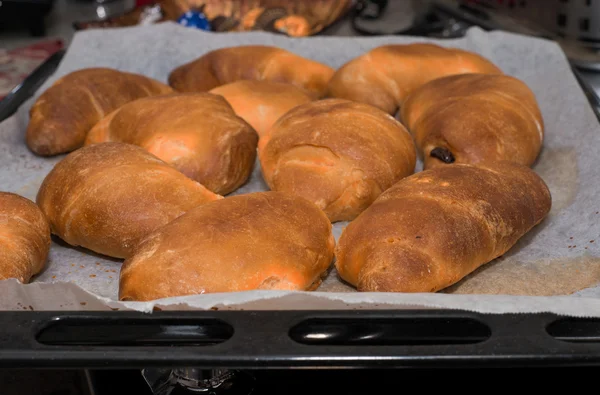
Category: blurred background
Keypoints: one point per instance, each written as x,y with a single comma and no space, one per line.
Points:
32,30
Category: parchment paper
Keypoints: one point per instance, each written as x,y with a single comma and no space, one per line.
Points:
554,268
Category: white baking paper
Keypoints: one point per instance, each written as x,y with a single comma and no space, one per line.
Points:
560,257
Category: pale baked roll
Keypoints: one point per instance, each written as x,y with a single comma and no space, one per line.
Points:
262,103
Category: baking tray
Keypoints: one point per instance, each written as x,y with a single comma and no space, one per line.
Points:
295,339
288,339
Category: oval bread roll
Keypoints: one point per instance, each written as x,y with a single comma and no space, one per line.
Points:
262,240
62,116
262,103
384,76
430,230
197,133
473,118
251,62
24,238
108,196
338,154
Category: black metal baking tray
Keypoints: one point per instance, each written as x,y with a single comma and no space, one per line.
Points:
294,339
287,339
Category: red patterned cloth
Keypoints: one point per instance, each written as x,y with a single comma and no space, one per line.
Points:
17,64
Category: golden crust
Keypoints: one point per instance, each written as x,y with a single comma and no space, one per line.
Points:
106,197
197,133
262,103
24,238
62,116
477,118
251,62
338,154
437,226
384,76
262,240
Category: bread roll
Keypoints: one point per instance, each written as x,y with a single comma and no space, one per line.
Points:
472,118
62,116
24,238
107,196
338,154
384,76
261,103
197,133
251,62
262,240
430,230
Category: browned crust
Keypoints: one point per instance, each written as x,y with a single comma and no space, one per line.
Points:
439,225
106,197
24,238
198,133
477,118
262,240
62,116
251,62
384,76
338,154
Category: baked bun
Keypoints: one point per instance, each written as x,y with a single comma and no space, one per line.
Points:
197,133
473,118
106,197
262,240
62,116
338,154
262,103
251,62
24,238
384,76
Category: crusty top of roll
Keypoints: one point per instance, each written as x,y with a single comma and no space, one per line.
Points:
198,133
336,153
385,75
431,229
251,62
106,196
262,103
63,114
477,118
24,238
262,240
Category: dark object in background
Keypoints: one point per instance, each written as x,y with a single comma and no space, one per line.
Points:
44,382
30,13
17,96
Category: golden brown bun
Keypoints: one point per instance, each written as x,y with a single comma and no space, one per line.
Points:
251,62
338,154
384,76
107,196
197,133
262,240
62,116
261,103
473,118
24,238
430,230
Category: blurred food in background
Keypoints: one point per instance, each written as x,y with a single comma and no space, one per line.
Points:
296,18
